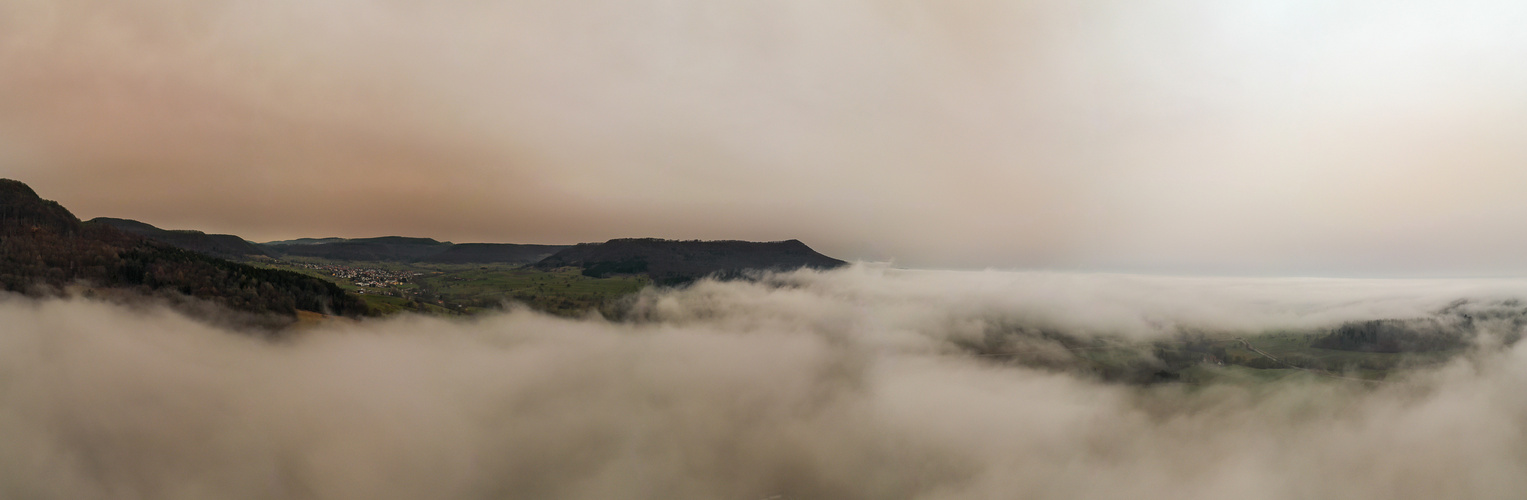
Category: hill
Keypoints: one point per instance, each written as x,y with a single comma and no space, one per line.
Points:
44,249
225,246
672,261
493,253
303,241
403,249
21,209
384,249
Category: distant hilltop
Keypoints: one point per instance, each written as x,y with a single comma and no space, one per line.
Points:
224,246
675,261
382,249
412,250
663,261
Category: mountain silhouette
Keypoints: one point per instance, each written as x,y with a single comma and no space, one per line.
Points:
225,246
675,261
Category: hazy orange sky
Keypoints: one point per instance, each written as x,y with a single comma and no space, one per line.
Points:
1333,137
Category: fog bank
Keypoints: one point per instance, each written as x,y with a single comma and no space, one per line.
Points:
835,385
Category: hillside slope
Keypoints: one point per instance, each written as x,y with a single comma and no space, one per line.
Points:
224,246
44,248
671,261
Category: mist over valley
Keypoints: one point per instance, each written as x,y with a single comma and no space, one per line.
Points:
762,250
862,382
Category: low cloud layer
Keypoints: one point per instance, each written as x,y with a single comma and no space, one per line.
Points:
838,385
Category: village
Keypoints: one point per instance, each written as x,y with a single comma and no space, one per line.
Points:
364,277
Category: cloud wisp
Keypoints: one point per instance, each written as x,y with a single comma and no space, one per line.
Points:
837,385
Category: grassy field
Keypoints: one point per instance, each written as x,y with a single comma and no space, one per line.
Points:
1236,374
465,289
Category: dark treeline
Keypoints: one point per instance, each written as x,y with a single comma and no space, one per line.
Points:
1454,327
1397,335
236,285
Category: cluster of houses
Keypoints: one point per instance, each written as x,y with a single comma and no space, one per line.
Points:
365,277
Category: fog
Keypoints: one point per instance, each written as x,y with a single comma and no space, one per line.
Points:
832,385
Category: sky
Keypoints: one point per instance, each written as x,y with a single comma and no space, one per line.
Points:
1329,138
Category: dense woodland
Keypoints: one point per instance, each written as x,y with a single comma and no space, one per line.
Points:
1397,335
224,246
44,250
1453,327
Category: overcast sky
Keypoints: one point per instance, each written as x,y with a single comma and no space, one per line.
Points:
1323,137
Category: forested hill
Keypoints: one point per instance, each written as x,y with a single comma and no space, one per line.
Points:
384,249
1454,327
225,246
504,253
671,261
44,248
401,249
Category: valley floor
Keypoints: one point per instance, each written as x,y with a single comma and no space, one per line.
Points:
465,289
